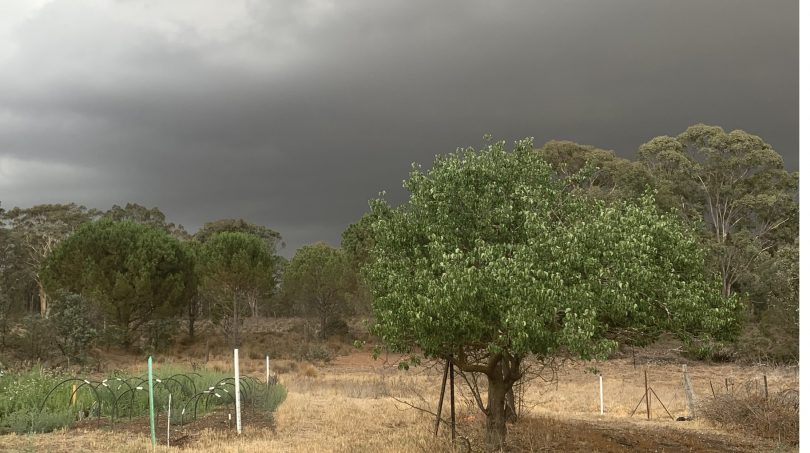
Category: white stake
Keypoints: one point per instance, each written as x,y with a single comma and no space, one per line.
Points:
236,389
601,398
169,421
267,370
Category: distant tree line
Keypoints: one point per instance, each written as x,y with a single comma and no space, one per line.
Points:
78,277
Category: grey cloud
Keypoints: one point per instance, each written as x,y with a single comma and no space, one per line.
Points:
294,114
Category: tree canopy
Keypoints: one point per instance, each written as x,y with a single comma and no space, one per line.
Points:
317,281
735,181
238,268
153,217
38,230
599,172
493,258
270,237
134,274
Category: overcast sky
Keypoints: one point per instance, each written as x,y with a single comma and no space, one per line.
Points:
293,114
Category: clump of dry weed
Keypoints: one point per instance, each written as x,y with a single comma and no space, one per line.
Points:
308,370
775,417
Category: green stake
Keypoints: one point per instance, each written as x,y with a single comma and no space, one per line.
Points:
151,404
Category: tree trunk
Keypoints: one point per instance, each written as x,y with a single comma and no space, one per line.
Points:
511,407
43,301
192,318
496,411
324,321
191,328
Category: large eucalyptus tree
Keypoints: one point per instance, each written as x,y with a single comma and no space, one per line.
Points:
736,185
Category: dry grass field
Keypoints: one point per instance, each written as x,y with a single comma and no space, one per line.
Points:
356,404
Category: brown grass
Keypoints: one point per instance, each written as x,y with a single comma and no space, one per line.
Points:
356,404
308,370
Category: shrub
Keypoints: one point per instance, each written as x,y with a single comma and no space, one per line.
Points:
159,334
22,394
37,338
776,417
270,397
73,326
32,421
709,350
314,353
335,327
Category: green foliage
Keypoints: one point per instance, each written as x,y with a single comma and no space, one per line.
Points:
597,171
316,282
270,398
132,274
32,421
238,261
160,334
36,232
22,395
494,257
270,237
735,185
734,181
16,280
312,352
356,243
237,269
154,218
491,253
36,341
73,326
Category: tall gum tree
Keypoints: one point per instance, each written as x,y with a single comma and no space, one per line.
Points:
492,260
154,218
732,182
356,243
40,229
598,172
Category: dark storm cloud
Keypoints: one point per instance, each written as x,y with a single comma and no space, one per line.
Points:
294,114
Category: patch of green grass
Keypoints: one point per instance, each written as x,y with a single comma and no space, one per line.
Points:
40,401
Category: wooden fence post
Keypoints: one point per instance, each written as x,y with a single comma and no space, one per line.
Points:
690,395
647,395
452,401
441,399
765,377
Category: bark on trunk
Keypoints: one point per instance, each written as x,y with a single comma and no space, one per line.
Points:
191,329
511,407
192,318
496,412
43,301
